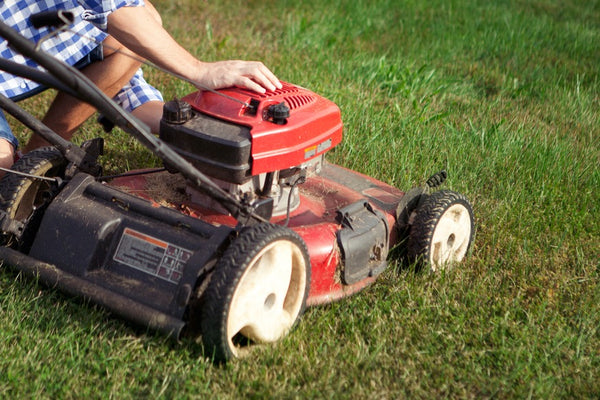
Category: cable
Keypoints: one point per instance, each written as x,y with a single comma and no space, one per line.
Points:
301,179
131,173
42,178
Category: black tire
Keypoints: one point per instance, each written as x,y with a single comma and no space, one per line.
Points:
24,198
442,230
251,298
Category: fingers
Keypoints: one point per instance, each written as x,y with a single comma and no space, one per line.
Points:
248,83
253,75
265,78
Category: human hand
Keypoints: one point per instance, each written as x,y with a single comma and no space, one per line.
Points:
253,75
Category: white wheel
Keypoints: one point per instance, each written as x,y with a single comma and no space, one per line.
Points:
257,291
268,297
442,230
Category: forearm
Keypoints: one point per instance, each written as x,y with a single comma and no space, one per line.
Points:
141,31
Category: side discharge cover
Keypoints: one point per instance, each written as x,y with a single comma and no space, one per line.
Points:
363,241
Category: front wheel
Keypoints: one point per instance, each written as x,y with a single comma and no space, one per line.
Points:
257,291
442,230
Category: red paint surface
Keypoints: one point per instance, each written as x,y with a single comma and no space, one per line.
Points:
313,127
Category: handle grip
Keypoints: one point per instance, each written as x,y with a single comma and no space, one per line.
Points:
54,18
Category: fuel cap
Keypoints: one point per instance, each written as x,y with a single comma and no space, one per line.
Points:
177,112
278,113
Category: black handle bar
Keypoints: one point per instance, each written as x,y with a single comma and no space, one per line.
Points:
52,18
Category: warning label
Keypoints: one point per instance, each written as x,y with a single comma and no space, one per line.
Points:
314,150
151,255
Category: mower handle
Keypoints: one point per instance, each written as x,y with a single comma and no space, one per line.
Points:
52,18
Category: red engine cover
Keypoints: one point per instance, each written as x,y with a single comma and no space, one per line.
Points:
313,127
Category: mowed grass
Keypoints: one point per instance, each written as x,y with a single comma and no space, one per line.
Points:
505,95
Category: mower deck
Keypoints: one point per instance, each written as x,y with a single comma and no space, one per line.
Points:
319,221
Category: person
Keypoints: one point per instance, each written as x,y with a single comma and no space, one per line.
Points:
124,28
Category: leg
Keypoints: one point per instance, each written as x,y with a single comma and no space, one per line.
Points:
8,144
7,154
150,113
66,113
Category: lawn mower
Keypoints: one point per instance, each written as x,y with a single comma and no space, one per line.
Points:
245,226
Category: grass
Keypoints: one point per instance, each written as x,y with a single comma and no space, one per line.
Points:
505,95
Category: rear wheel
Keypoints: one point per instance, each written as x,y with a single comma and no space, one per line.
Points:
23,198
442,230
257,291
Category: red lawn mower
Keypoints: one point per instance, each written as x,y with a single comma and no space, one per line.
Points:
246,225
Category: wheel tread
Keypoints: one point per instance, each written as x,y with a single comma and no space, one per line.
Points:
220,291
11,184
426,220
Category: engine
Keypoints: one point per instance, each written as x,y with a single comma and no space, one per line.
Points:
253,145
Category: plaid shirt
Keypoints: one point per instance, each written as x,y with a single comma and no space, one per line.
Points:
70,46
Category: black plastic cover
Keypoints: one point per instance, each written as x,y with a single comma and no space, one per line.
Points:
363,241
218,148
126,245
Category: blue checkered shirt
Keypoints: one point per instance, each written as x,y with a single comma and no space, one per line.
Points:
70,46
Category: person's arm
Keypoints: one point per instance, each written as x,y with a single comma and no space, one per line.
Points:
140,31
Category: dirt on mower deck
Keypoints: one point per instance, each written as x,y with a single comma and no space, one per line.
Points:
164,188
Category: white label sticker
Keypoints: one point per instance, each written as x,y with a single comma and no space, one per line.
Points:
151,255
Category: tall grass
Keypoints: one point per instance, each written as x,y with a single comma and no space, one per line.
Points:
505,95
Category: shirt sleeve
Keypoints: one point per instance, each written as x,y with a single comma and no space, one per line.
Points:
97,11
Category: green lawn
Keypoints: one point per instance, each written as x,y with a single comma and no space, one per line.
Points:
504,94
